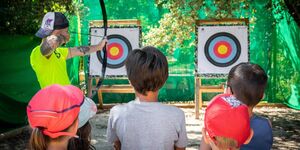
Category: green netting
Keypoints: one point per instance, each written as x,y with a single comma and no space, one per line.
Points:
285,62
274,44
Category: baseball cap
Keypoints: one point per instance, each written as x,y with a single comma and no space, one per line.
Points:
56,107
227,117
87,111
52,21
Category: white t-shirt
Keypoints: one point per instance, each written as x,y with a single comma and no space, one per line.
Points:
147,126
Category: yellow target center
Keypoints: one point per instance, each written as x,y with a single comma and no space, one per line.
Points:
114,51
222,49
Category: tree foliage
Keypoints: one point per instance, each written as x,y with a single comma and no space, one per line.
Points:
176,28
24,16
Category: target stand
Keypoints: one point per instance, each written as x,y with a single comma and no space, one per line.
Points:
123,37
221,44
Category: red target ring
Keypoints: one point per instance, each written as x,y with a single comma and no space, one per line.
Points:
115,51
222,49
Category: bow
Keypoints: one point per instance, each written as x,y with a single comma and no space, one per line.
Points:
104,62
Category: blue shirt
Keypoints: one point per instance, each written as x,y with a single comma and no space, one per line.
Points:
263,136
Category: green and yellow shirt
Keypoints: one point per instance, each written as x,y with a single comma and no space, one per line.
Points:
52,70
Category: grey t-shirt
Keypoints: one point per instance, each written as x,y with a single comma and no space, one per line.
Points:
147,126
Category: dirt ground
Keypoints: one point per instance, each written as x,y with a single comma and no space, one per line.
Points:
285,121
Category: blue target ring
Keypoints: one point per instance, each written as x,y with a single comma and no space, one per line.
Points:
117,52
232,48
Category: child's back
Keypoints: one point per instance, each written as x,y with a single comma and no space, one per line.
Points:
247,82
148,125
145,124
263,137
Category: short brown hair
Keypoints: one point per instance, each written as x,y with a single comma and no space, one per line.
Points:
247,82
147,69
226,143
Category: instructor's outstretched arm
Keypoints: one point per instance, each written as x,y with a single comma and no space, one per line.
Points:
50,43
86,50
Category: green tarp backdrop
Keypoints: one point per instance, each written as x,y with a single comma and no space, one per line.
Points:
274,44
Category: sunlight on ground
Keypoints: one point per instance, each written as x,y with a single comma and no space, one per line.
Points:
285,121
286,128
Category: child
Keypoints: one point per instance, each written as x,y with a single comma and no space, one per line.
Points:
247,83
84,128
227,123
145,123
53,113
84,140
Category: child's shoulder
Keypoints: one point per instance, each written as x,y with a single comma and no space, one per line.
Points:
258,117
173,110
119,108
261,120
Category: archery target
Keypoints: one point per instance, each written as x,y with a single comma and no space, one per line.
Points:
220,48
118,48
121,41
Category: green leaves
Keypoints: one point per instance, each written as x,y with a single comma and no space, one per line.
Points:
24,17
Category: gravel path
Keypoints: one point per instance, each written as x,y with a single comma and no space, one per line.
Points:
285,121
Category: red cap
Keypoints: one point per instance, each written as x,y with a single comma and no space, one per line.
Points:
54,109
226,116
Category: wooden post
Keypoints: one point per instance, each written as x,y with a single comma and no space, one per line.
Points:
197,85
200,94
98,23
199,89
126,88
100,99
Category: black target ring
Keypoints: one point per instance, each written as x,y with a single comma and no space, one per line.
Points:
234,46
124,47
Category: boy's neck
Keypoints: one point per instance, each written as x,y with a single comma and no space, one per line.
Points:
250,111
149,97
250,108
58,145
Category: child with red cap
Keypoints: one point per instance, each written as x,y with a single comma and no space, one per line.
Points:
227,123
247,82
55,113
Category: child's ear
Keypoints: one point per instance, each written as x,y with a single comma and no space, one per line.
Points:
210,143
205,136
262,96
228,90
250,137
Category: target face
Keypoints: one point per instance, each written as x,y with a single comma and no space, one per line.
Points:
121,41
222,49
219,48
118,48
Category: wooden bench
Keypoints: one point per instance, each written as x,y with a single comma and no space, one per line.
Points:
199,89
121,88
113,89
